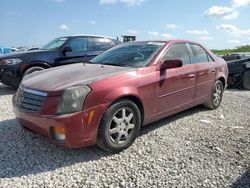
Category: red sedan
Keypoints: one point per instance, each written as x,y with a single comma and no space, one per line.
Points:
107,100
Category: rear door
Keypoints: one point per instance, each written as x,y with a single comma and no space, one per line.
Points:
98,45
177,85
205,71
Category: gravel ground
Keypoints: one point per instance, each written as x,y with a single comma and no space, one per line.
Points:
195,148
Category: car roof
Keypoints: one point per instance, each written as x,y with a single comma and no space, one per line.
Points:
182,41
90,35
168,41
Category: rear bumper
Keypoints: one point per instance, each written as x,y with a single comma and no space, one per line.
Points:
80,128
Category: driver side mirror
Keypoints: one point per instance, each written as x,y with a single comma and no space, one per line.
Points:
171,63
66,50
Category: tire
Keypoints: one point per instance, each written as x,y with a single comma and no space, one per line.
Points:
118,128
31,70
216,96
246,80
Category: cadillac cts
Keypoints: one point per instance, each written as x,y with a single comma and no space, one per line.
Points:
107,100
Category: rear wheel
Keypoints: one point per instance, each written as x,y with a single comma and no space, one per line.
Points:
32,69
216,96
119,126
246,80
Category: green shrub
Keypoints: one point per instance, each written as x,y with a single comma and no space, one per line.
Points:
245,48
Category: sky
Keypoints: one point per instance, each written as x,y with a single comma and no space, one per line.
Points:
218,24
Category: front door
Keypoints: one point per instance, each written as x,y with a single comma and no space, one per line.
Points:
177,85
80,51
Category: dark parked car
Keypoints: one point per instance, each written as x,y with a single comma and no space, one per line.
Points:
109,99
236,56
239,70
61,51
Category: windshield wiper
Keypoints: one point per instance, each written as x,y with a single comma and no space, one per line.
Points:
112,64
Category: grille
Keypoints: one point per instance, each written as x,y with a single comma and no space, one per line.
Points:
30,100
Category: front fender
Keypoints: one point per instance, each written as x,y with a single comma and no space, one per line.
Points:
109,96
121,92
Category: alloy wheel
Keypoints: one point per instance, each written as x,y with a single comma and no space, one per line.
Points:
122,126
217,96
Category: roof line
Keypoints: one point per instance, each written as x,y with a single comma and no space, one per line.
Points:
90,35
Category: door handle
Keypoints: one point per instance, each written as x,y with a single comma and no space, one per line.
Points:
213,70
191,76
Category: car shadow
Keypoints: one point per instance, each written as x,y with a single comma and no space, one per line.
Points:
23,152
155,125
242,181
6,90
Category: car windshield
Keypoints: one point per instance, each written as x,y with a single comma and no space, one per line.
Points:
132,54
55,44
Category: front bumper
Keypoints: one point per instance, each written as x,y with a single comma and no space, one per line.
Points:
1,71
80,128
9,75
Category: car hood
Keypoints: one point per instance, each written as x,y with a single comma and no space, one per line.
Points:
22,54
60,78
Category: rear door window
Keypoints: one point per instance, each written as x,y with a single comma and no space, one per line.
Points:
99,44
210,59
200,55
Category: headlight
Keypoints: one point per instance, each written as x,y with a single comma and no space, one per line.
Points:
10,61
72,99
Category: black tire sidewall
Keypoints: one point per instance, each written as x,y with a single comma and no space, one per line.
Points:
31,70
221,95
106,120
246,80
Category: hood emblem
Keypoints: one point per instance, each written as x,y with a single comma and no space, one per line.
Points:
20,98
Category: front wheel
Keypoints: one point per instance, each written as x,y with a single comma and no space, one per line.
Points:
119,126
216,95
246,80
32,69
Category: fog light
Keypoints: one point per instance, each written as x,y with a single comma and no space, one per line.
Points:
59,134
